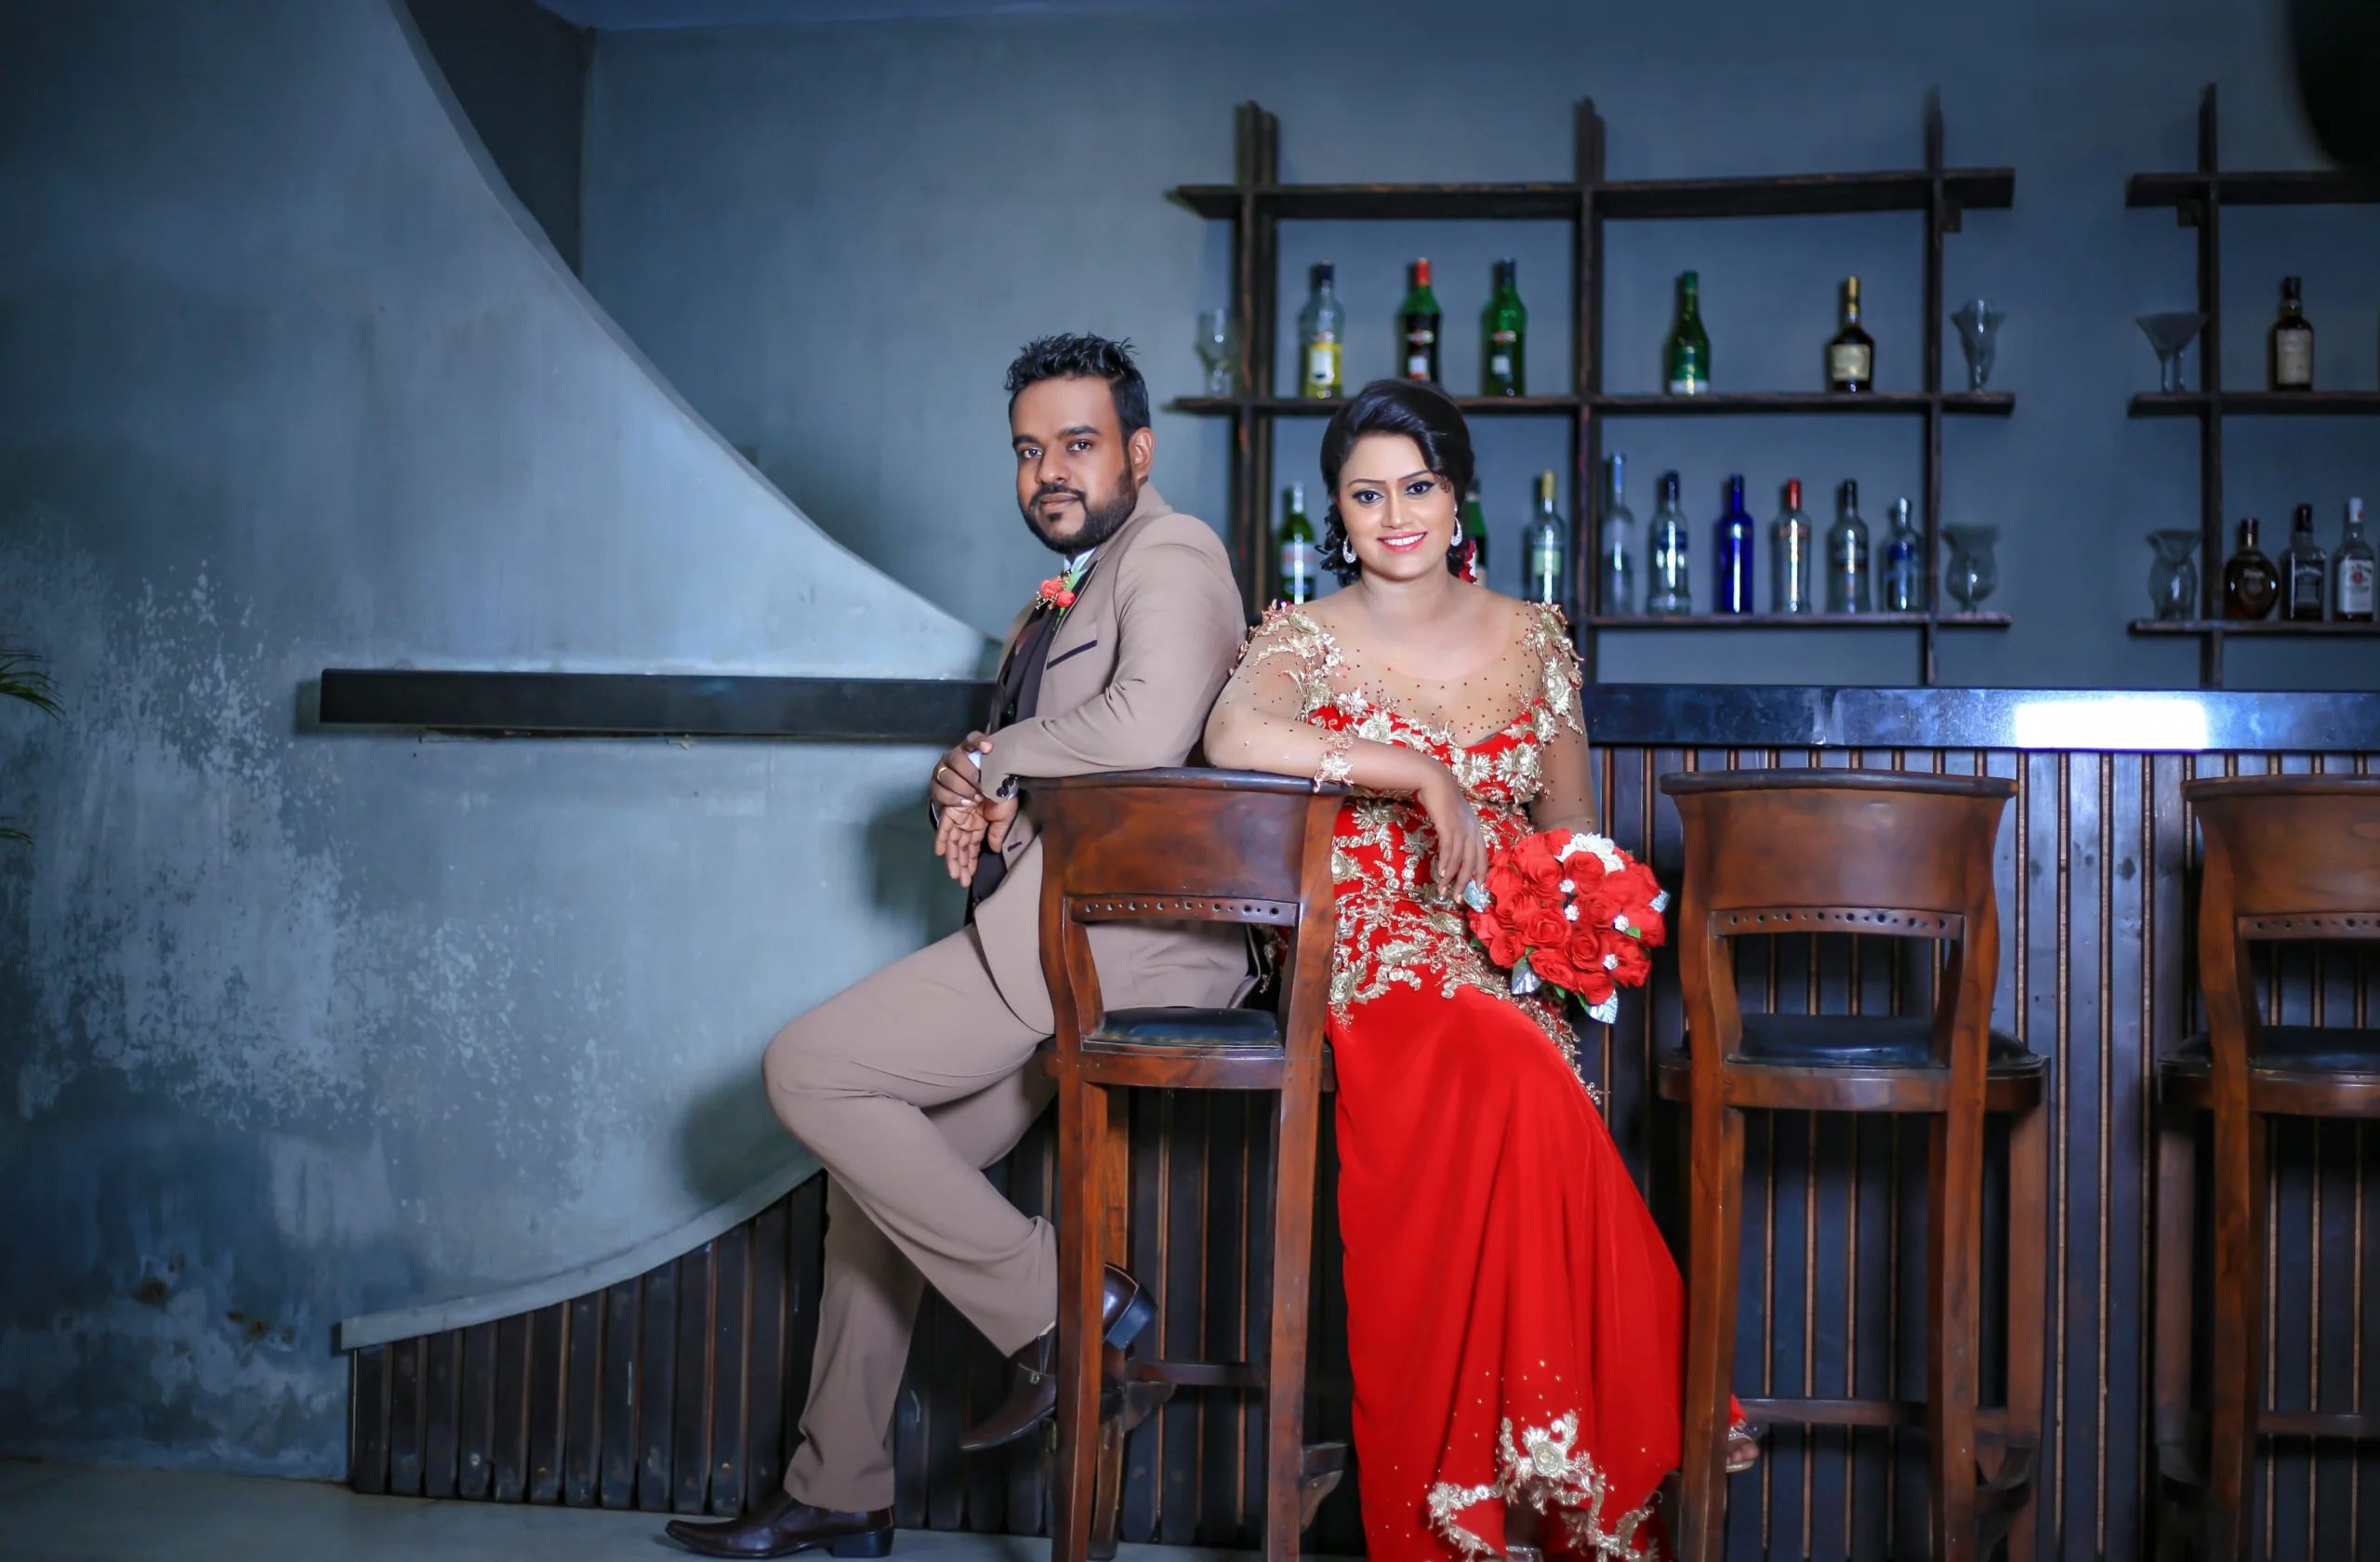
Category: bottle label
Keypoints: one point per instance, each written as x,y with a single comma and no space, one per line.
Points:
1417,365
1850,362
2355,588
1297,570
2292,360
1689,385
1322,365
1499,365
1545,570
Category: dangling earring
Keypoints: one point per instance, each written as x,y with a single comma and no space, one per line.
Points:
1348,550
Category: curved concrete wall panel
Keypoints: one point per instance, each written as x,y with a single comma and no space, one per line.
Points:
296,1026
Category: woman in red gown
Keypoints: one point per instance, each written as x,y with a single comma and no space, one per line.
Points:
1515,1320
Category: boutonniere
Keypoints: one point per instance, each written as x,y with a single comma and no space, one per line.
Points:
1058,591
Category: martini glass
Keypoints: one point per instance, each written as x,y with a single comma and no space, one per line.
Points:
2169,334
1979,325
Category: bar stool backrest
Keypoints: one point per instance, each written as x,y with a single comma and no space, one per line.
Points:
1836,850
1186,845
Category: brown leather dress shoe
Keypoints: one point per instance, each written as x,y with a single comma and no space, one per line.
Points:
786,1526
1125,1310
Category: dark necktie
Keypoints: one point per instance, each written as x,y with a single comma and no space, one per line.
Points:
1017,697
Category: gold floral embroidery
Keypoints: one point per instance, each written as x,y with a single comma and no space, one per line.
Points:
1336,751
1544,1469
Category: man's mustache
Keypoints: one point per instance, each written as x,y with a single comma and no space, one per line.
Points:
1049,488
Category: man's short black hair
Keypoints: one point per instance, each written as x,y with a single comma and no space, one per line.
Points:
1073,357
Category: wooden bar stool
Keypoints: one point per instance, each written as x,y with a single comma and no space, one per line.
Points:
2286,858
1183,845
1896,855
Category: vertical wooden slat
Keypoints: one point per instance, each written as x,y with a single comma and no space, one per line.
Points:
368,1420
1144,1449
690,1437
582,1398
440,1406
657,1375
404,1418
511,1443
620,1395
548,1346
475,1430
765,1346
1224,1421
730,1323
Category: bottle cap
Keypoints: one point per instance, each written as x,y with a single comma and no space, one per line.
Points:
1851,290
1900,512
1420,273
1849,494
1297,497
2304,519
1507,270
1793,494
1669,487
1617,463
2355,512
2289,284
1545,487
1323,271
1687,281
2247,531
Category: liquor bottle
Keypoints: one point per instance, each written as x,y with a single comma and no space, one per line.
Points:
1300,564
2351,600
2304,571
1731,561
1847,568
1851,356
1667,586
2293,342
1619,546
1791,542
1322,331
1503,338
1906,580
1417,323
1474,530
1549,548
2250,583
1685,360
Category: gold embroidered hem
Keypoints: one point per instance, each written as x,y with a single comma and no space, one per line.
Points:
1545,1471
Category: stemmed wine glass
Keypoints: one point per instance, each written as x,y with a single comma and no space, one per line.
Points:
2169,334
1219,350
1979,325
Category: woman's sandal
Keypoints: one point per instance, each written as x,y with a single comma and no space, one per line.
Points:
1743,1447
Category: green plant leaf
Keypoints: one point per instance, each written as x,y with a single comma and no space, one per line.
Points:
21,677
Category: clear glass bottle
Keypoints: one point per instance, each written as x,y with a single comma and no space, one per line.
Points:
1732,581
1849,588
2250,583
1417,328
1668,584
1685,359
2352,571
1474,529
1548,549
1792,543
1301,566
1905,579
2304,571
1322,333
1618,548
2293,342
1851,356
1503,336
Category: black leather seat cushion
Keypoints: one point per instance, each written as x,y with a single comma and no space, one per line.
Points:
1212,1027
2298,1049
1860,1041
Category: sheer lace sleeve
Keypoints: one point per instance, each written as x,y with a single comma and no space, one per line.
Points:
1258,723
1565,798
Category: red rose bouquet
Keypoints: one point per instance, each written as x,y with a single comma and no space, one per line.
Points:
1572,911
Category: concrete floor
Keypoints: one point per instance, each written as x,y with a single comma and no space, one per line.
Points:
73,1513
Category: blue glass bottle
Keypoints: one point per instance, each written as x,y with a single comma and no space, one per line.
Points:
1731,570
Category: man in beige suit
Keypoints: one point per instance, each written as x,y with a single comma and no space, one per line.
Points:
909,1083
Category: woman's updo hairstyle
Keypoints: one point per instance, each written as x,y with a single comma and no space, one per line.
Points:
1423,414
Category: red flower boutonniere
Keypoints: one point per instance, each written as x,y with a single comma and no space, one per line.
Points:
1059,591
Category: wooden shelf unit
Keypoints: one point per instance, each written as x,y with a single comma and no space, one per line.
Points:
2197,199
1258,203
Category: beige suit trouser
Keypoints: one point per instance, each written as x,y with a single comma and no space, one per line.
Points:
906,1086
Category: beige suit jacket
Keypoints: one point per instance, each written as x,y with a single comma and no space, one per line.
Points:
1131,673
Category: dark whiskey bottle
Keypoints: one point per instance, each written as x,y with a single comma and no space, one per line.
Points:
2293,342
1851,356
2250,583
1417,328
2304,571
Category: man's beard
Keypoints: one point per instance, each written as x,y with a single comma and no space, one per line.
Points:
1099,523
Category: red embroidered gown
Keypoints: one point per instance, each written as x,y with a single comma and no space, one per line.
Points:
1515,1320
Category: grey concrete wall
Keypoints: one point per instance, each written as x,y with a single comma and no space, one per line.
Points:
519,73
296,1025
832,236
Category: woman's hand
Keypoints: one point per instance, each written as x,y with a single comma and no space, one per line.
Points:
1461,855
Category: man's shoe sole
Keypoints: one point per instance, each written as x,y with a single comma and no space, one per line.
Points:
1136,1315
875,1542
871,1542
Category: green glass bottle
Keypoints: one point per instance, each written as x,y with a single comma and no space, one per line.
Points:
1503,338
1300,563
1474,530
1417,328
1687,359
